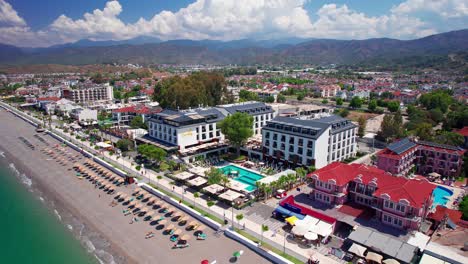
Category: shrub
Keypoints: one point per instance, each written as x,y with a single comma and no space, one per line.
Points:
138,167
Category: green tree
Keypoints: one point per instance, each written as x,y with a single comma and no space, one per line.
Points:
300,97
362,126
214,175
237,128
424,131
437,99
344,112
281,98
356,102
152,152
270,99
463,207
436,115
245,95
137,122
391,127
393,106
124,144
449,138
239,217
324,101
196,195
339,101
372,105
301,173
265,228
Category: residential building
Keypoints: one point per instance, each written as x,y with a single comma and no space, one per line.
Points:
125,115
90,95
328,90
443,159
464,133
400,157
302,110
395,201
309,142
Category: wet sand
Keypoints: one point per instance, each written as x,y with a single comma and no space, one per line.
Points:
108,229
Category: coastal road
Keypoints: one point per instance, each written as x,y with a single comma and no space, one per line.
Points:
91,206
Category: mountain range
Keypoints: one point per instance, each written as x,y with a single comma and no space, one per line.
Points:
292,51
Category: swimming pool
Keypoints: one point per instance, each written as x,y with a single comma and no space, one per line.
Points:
245,176
441,196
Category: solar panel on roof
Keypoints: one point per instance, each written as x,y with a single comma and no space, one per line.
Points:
401,146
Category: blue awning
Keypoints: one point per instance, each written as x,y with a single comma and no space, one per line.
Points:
284,211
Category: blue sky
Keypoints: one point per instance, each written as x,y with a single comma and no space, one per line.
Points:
49,22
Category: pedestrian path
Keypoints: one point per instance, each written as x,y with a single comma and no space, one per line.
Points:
253,222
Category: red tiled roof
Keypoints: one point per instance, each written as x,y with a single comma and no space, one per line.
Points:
304,210
48,99
440,212
463,131
416,191
137,109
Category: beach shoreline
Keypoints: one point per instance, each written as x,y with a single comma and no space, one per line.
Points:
95,242
50,167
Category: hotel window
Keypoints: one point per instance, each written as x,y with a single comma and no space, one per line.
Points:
400,208
309,153
283,138
218,133
211,127
301,142
203,136
211,134
267,134
299,151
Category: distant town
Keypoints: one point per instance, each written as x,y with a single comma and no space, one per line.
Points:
318,164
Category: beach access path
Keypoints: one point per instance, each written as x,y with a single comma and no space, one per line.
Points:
252,226
92,205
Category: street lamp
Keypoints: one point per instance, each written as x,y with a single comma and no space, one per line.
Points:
284,242
232,215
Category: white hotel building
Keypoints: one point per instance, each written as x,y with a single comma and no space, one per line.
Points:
307,142
194,127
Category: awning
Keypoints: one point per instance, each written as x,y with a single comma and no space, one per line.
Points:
291,220
213,189
374,257
183,175
230,195
284,211
197,181
357,250
238,186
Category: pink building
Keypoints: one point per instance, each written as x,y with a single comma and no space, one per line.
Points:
400,157
396,201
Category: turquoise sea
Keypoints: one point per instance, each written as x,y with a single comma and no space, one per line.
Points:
31,233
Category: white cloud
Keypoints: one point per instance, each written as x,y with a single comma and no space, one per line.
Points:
444,8
234,19
8,15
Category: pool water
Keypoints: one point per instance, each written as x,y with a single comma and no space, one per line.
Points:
245,176
441,196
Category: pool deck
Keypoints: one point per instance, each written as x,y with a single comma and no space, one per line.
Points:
456,192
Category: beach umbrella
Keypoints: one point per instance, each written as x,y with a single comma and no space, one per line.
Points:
178,214
162,222
193,223
144,209
204,262
137,190
185,237
170,227
390,261
177,232
237,254
311,236
183,219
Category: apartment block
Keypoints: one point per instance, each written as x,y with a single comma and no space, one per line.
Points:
309,142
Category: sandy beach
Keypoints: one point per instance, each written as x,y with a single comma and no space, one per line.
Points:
104,231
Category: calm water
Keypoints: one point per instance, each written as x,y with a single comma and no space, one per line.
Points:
30,232
245,176
441,196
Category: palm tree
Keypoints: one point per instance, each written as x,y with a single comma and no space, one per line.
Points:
195,196
158,178
239,217
264,229
267,191
225,182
